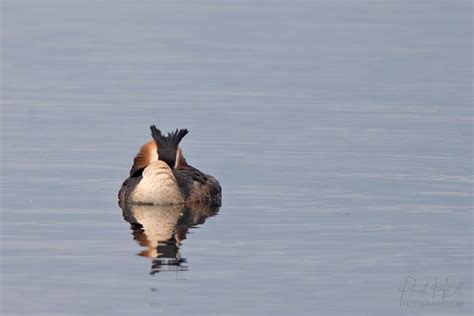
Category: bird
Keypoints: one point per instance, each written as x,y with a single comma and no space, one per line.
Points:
160,175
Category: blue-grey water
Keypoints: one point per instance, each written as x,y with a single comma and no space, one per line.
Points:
340,131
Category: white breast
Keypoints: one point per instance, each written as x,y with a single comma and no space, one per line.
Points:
158,186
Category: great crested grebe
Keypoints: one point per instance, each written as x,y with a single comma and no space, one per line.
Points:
160,175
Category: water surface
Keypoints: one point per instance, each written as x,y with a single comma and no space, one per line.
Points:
340,131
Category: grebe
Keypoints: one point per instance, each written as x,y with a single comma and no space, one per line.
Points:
160,175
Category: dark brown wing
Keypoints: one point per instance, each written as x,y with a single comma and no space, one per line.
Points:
196,186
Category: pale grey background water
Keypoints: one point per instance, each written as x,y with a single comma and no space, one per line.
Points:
340,132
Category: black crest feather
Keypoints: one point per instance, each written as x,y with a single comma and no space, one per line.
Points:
167,145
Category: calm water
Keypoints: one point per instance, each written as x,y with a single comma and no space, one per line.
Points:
340,132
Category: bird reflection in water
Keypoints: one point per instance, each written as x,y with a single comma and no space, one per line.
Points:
162,228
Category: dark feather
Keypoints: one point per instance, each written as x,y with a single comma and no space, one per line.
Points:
167,145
